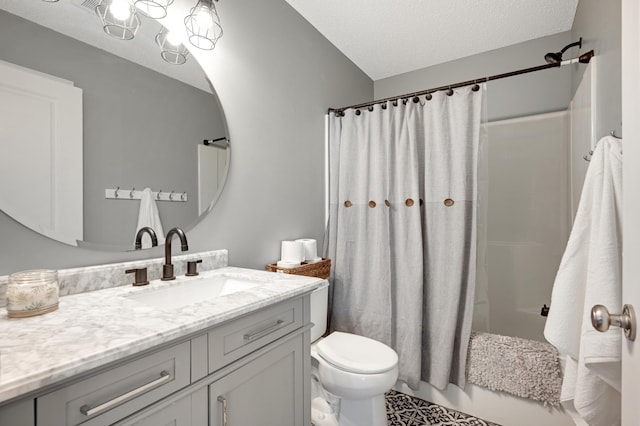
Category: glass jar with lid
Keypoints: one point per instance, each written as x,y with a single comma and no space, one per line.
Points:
32,293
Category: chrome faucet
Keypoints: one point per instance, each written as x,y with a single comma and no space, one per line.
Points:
140,234
167,268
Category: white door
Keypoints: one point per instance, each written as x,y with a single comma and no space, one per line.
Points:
631,199
41,152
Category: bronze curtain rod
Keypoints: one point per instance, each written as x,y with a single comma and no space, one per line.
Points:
583,59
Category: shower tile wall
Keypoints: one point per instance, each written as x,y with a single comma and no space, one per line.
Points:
529,218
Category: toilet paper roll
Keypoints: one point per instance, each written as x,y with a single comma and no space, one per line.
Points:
310,248
285,264
292,251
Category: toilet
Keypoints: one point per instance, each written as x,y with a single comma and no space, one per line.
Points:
350,373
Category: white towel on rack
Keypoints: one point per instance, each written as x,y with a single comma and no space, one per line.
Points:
149,216
591,273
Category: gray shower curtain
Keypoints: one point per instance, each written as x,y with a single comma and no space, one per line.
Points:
402,229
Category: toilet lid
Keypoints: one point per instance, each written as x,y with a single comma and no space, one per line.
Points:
357,354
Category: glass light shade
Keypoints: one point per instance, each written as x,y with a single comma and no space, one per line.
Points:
172,50
156,9
203,25
119,18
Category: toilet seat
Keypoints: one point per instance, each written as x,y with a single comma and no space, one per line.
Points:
356,354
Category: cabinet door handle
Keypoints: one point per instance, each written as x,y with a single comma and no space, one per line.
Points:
88,411
223,409
263,332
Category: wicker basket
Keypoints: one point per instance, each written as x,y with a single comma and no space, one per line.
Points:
319,269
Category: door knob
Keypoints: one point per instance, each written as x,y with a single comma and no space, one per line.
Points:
601,320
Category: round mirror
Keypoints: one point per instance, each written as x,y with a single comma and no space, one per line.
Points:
90,121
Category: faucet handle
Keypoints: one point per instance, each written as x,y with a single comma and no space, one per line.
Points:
141,276
192,267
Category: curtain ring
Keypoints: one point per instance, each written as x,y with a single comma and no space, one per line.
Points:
370,108
416,99
429,96
116,192
158,195
404,101
171,196
131,192
450,91
475,87
358,112
395,102
384,105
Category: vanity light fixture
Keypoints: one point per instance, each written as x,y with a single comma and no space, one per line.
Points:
203,25
156,9
172,49
119,18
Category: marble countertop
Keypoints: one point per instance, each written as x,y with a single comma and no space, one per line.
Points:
94,328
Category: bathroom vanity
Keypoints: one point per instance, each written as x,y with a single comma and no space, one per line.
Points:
148,355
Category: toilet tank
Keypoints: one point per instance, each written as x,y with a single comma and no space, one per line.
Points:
318,311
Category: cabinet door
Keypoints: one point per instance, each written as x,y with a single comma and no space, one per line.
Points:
267,391
19,413
190,410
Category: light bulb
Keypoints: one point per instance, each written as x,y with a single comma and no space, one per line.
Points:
120,9
203,17
173,38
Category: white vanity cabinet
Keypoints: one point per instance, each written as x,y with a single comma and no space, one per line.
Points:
257,363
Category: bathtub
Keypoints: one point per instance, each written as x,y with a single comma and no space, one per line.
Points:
497,407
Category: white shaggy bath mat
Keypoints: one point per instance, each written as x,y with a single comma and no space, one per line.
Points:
522,367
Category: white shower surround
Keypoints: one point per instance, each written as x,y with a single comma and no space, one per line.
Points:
516,311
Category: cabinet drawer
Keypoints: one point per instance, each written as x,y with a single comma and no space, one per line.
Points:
238,338
114,394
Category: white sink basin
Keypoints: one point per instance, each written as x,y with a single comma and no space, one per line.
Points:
189,290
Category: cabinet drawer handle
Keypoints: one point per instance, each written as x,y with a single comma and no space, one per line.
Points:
88,411
263,332
223,403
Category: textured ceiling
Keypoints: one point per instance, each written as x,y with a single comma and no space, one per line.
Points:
390,37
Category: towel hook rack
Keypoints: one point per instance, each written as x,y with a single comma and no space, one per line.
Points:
133,194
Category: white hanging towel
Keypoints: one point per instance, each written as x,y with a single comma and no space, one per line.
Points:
591,273
149,216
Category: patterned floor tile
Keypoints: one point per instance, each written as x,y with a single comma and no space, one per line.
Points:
406,410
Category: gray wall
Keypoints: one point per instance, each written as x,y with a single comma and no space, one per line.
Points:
598,23
140,128
275,76
527,94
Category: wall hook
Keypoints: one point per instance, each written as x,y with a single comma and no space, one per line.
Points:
171,196
158,194
116,191
131,192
